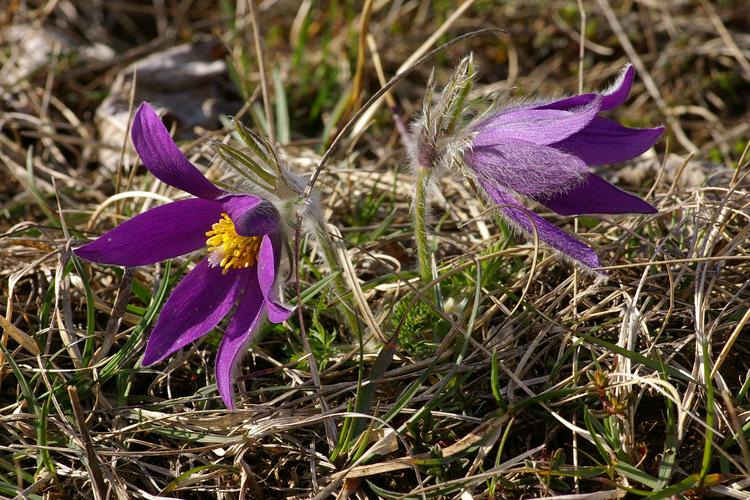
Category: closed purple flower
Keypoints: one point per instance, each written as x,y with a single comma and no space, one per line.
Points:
243,236
542,152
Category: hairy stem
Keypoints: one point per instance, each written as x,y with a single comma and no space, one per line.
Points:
420,224
341,289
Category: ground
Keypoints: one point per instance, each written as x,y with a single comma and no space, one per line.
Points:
513,374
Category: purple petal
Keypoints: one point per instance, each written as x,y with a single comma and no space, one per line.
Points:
548,233
164,232
252,216
162,157
540,126
596,196
611,98
240,332
196,306
619,90
567,103
278,313
526,168
606,141
268,264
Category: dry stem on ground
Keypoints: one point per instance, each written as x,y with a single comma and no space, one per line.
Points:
532,380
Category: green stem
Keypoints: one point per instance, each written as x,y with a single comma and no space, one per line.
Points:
332,260
420,224
710,417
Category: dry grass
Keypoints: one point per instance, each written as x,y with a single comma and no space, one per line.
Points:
531,380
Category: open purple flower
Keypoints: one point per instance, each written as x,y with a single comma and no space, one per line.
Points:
542,152
243,236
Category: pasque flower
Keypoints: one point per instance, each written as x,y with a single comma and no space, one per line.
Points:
542,151
243,237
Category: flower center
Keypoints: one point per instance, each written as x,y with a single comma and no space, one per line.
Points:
228,249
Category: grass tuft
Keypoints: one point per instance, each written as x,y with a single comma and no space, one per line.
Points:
506,376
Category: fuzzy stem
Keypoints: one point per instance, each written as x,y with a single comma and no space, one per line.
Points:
332,260
420,224
290,188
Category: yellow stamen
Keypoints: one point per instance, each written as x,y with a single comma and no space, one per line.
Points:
228,249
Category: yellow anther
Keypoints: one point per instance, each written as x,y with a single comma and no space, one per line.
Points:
228,249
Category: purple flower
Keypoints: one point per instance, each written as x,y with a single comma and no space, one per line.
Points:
243,236
542,152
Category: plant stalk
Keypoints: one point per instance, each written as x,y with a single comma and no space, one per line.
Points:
421,234
339,284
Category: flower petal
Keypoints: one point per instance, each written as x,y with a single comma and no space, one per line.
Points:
268,261
526,168
163,158
548,233
268,264
620,89
611,98
197,304
252,216
161,233
278,313
596,196
240,332
606,141
540,126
